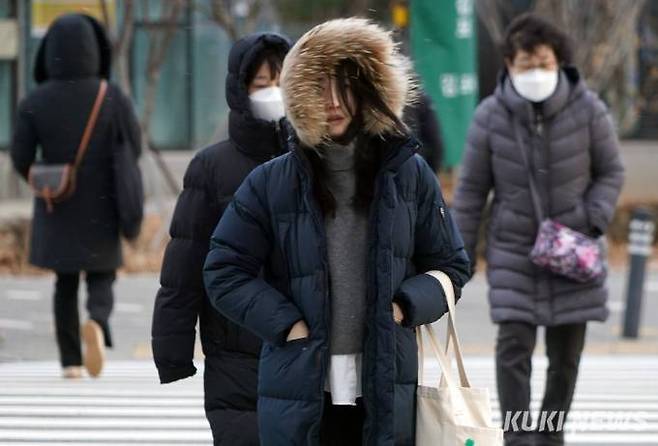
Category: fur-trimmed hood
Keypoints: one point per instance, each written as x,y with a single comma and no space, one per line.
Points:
319,51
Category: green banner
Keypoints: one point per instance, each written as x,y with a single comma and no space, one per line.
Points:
443,44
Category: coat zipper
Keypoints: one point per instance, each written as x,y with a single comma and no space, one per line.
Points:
319,223
280,140
544,186
539,125
371,278
372,238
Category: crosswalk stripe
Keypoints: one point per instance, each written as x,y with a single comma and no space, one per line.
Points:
105,423
113,402
616,403
125,411
101,434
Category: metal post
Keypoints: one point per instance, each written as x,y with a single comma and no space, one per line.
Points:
640,239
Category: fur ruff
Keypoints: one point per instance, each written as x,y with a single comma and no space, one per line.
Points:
319,51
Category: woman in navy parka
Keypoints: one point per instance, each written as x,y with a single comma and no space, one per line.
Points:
344,227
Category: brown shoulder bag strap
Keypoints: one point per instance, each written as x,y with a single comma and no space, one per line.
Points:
91,123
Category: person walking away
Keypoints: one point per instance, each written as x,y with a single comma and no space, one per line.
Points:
345,226
214,174
571,146
81,233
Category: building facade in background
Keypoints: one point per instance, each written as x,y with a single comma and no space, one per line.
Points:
189,106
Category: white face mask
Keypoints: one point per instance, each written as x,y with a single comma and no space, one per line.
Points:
267,104
535,85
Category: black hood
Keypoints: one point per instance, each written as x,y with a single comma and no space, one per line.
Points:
75,47
255,137
243,53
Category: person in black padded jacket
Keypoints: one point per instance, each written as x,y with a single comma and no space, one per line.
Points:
231,353
82,233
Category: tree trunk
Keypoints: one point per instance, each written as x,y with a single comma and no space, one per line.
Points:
122,47
159,43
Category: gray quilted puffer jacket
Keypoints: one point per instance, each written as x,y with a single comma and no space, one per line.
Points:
574,153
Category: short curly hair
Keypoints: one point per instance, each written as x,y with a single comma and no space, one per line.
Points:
527,31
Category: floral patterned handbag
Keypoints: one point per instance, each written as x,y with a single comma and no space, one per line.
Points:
559,248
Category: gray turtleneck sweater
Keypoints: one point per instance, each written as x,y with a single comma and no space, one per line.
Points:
347,244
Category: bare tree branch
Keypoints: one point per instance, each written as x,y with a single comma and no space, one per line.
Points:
597,28
105,14
122,45
604,37
159,43
121,39
493,15
252,17
160,39
221,14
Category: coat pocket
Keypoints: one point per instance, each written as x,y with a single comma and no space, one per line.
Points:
291,371
406,355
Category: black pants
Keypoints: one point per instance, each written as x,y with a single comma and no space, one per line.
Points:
100,301
514,347
229,383
341,425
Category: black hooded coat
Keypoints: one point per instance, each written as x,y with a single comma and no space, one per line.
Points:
82,233
213,176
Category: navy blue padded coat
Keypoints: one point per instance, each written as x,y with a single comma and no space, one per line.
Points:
274,222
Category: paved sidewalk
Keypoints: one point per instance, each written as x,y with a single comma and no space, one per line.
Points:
27,332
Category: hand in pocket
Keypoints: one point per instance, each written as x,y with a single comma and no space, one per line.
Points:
298,331
398,315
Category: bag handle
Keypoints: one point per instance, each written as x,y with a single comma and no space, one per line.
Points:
440,355
91,124
449,292
453,390
539,213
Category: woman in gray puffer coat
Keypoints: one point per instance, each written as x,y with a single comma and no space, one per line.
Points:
573,153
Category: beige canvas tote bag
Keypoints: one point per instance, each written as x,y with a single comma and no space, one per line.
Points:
454,413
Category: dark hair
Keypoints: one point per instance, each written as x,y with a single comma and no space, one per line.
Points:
349,76
368,153
528,31
272,57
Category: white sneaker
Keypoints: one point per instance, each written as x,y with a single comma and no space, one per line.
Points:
72,372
